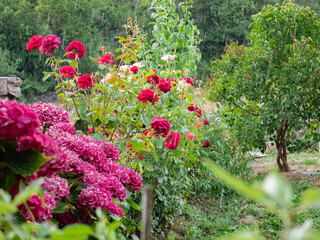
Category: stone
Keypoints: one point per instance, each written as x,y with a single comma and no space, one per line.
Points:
3,86
10,87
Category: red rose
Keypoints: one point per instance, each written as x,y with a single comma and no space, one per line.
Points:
75,50
195,78
161,126
50,43
155,70
134,69
85,80
188,80
153,79
105,59
146,95
206,144
165,85
67,71
34,43
206,122
192,108
172,141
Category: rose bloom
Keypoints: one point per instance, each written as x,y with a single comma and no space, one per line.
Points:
67,71
147,95
206,122
161,126
138,65
155,70
198,124
190,136
172,141
188,80
168,57
107,78
105,59
197,93
153,79
85,80
75,50
206,144
34,43
50,43
165,85
134,69
192,108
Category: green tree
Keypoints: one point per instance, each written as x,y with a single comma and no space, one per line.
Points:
276,78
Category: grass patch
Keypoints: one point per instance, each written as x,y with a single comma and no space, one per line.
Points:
213,218
310,162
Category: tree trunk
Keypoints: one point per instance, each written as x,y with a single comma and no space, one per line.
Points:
282,146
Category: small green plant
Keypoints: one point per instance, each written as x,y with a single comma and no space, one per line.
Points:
275,194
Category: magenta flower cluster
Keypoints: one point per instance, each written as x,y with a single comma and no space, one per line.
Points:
49,114
17,121
104,179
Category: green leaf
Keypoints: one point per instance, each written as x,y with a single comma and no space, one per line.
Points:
25,162
94,59
146,119
61,207
250,191
278,189
133,205
154,154
148,166
26,193
72,232
98,136
309,198
137,146
74,63
245,235
83,112
46,76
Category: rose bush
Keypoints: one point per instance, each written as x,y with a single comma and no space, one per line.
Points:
144,113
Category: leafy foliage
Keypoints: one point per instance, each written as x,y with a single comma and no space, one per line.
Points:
275,79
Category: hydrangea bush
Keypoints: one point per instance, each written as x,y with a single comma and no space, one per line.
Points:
80,173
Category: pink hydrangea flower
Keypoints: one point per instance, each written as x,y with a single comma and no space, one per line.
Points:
67,218
38,210
57,187
61,127
39,142
17,121
50,114
54,165
109,182
110,150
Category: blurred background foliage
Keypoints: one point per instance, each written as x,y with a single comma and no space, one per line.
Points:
99,22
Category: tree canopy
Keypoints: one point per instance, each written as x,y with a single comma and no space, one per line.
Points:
277,77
